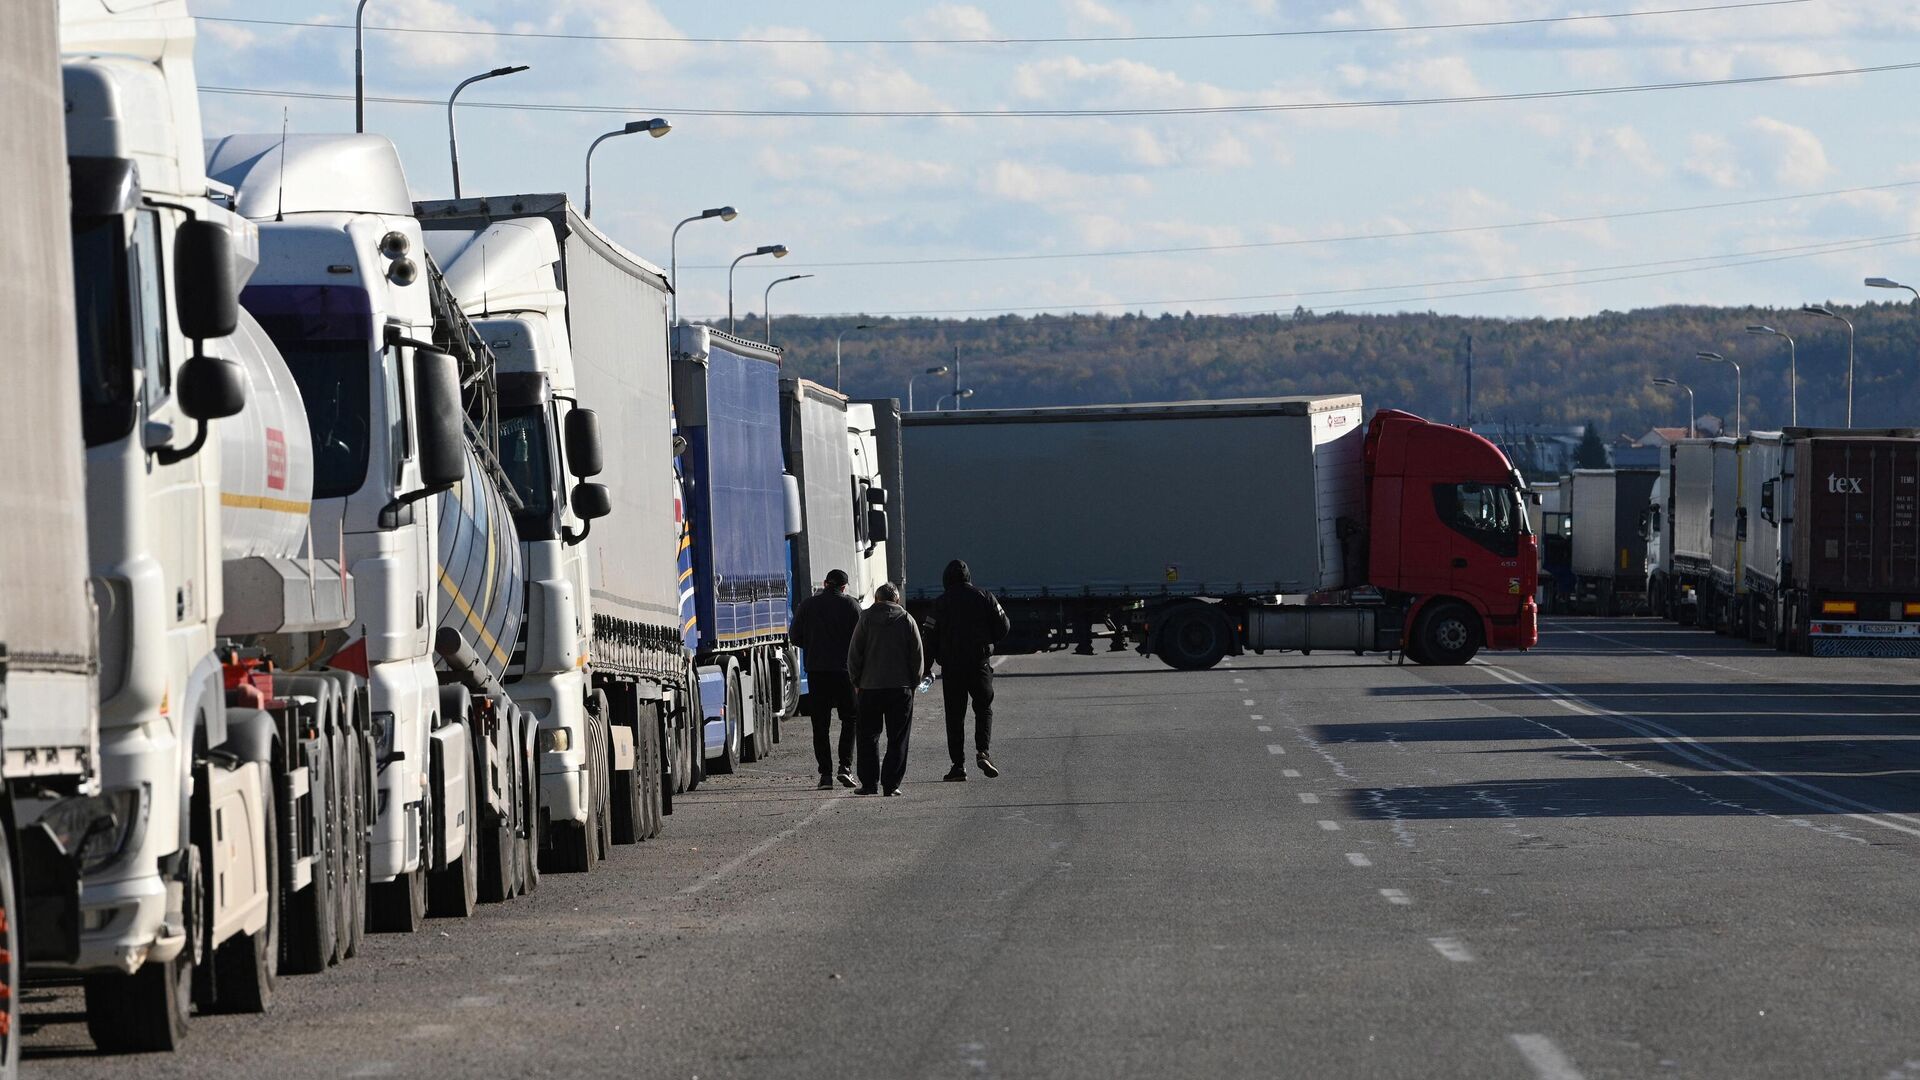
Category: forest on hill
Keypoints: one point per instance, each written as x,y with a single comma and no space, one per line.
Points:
1563,370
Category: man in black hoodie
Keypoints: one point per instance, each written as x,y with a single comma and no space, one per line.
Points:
823,628
965,624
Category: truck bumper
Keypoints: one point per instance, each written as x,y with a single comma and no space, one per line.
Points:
557,704
1521,631
122,927
1888,639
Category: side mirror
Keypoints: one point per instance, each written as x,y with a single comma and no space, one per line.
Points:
590,502
877,525
583,443
790,488
877,496
1766,502
680,445
438,418
1740,523
210,388
207,305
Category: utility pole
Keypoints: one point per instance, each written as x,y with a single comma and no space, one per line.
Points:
956,378
1469,382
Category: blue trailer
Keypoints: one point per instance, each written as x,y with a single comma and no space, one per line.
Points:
741,511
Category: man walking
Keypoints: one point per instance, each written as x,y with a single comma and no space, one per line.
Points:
823,629
965,625
884,661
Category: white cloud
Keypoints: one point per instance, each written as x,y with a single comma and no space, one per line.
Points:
855,169
1092,17
1796,154
951,21
1621,144
1712,159
1019,181
437,50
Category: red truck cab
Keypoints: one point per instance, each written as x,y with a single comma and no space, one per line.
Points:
1448,528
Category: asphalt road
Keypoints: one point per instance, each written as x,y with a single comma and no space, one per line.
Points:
1639,851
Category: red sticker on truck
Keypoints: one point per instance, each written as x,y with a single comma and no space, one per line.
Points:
276,460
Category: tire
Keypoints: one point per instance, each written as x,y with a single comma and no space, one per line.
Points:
694,714
669,757
750,745
10,1029
398,906
340,840
148,1010
730,744
498,856
244,964
628,822
454,893
1447,634
658,791
308,940
358,754
1194,638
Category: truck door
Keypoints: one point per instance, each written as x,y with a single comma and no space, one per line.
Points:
1481,541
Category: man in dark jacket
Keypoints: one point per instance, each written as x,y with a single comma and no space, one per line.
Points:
964,626
823,628
884,660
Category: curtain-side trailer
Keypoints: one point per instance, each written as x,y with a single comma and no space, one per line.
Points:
1609,556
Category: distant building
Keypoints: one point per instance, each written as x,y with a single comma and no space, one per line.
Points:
1544,450
1662,436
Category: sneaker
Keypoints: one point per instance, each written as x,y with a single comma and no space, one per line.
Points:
894,791
826,782
846,776
986,765
866,791
957,773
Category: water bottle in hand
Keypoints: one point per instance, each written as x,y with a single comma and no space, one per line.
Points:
926,684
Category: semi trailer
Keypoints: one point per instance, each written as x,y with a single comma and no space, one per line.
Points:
1609,541
872,521
1722,603
579,326
1205,529
889,476
1688,571
743,508
817,439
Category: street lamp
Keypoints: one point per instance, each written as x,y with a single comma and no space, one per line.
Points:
724,213
766,305
1692,432
1889,283
941,370
1825,313
453,143
842,336
655,127
957,398
778,251
360,68
1718,359
1793,380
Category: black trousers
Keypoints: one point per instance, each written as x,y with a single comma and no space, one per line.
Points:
827,691
890,710
959,685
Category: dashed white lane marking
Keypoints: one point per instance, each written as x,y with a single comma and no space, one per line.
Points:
1239,681
762,847
1292,773
1262,727
1248,701
1547,1060
1357,859
1256,716
376,1068
476,1001
1395,896
1330,826
1275,748
1452,949
1715,760
1309,798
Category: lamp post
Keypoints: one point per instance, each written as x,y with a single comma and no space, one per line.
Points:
1889,283
1692,432
724,213
778,251
766,305
453,142
842,336
957,398
360,68
1825,313
1793,380
941,370
1718,359
655,127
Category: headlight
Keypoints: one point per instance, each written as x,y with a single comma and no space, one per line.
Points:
558,740
382,736
95,831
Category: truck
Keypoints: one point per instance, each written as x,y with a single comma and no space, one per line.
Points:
1554,532
1609,548
579,326
234,778
1833,558
54,819
743,509
889,479
1209,528
872,518
401,403
1657,529
822,441
1689,520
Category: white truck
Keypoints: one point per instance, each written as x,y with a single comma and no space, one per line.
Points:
236,784
54,822
872,516
579,325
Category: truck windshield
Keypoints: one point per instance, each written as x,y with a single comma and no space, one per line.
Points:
105,329
524,455
1488,513
333,384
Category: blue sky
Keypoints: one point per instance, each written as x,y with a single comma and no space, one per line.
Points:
865,190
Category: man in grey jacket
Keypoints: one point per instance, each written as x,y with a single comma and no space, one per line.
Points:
884,662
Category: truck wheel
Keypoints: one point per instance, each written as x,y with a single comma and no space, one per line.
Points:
653,786
455,891
309,943
1193,639
693,715
399,906
628,818
751,745
340,840
357,757
730,724
243,964
664,783
10,1030
1447,634
148,1010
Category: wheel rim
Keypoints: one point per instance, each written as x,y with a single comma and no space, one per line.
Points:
1450,634
1194,637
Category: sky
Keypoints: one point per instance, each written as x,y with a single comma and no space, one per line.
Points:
1002,212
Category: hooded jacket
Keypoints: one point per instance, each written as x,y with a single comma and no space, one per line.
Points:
885,653
966,622
823,628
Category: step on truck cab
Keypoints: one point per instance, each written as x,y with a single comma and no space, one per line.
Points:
1209,528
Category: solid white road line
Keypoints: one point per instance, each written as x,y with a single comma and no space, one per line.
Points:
1275,748
1395,896
1715,760
1330,826
762,847
1452,949
1295,773
1309,798
1357,859
1547,1060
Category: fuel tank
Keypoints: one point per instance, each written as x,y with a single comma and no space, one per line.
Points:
266,453
482,584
